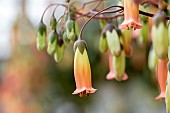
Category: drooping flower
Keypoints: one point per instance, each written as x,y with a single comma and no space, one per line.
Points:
162,72
131,15
82,71
112,74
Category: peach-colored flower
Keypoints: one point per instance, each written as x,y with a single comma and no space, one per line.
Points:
162,72
111,75
131,15
82,73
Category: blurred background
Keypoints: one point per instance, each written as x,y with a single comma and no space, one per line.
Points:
31,81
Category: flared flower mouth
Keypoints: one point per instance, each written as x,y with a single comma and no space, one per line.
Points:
131,15
127,24
84,91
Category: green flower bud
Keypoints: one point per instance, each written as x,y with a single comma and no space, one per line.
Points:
71,34
119,66
103,43
70,29
41,36
59,53
52,41
152,59
160,40
69,24
53,23
81,44
113,42
65,38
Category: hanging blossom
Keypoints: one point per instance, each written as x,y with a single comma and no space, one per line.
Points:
111,75
131,15
82,71
162,72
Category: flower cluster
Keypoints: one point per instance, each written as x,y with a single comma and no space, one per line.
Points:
115,38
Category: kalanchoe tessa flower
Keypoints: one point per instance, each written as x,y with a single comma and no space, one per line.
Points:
131,15
113,74
162,76
82,71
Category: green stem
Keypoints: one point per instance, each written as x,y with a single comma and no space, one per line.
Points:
55,4
81,32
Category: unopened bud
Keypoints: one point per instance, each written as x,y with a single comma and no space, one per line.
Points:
59,53
65,38
103,43
52,41
41,36
70,28
53,23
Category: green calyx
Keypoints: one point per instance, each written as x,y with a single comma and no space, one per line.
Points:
81,44
53,36
65,38
103,46
52,41
53,23
69,24
41,28
108,27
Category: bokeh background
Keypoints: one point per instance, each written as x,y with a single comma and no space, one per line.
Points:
32,82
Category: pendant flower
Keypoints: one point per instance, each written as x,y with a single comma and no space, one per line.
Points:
162,72
82,71
112,74
131,15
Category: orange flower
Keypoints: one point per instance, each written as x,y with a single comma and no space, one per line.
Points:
131,15
162,72
82,73
111,75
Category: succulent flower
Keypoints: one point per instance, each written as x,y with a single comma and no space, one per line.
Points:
131,15
82,71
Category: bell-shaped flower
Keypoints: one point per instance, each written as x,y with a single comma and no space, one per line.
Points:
114,74
82,71
162,72
131,15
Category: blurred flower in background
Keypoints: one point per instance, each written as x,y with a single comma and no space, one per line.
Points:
31,81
